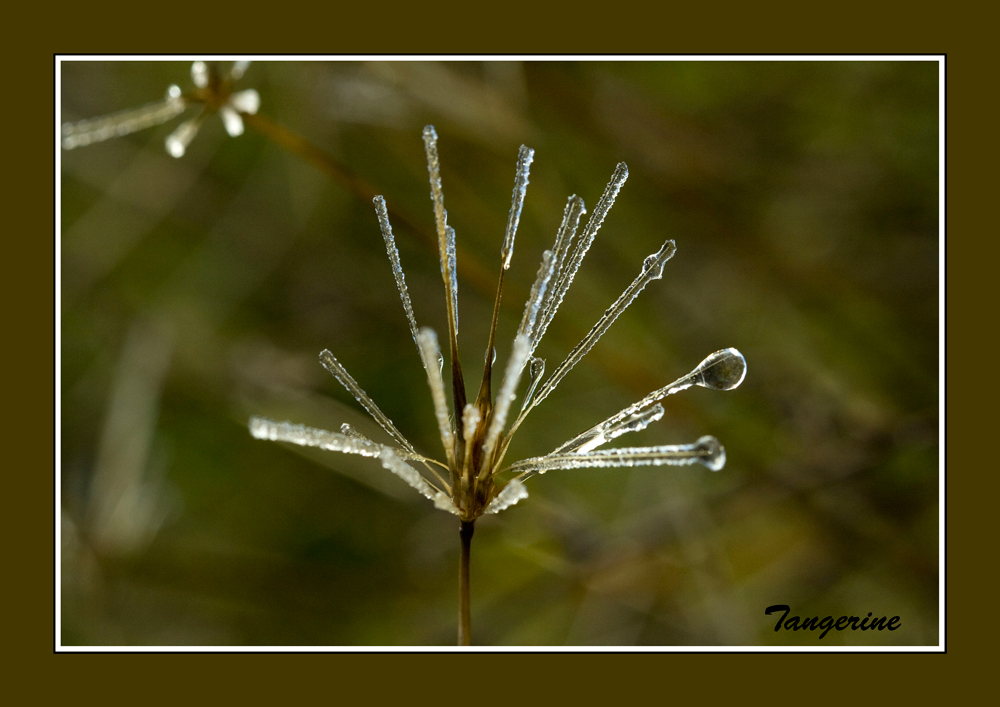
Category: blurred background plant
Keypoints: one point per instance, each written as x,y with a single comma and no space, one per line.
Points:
197,292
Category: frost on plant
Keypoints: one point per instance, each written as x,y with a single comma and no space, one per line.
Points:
212,92
475,434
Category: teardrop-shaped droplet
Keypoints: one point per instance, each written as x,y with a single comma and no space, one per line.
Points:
652,266
723,370
713,454
536,370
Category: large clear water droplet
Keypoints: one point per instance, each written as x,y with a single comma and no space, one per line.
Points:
714,454
723,370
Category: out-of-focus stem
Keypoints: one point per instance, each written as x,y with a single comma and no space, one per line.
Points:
309,152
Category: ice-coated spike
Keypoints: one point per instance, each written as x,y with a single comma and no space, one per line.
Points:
430,352
560,277
571,266
706,451
232,121
508,391
640,421
434,173
433,163
723,370
199,74
87,132
177,141
471,418
595,437
263,428
607,200
411,476
537,295
524,158
451,273
508,496
604,205
446,237
536,371
247,101
349,431
331,364
574,211
397,270
652,269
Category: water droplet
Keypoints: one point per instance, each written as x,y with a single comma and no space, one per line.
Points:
723,370
537,369
652,266
714,453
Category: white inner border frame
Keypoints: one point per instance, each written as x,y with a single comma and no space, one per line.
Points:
940,648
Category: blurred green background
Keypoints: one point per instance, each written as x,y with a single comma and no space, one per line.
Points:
803,197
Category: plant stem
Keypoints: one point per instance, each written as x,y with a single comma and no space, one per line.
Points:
465,531
470,268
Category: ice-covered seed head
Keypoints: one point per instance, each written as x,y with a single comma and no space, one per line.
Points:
723,370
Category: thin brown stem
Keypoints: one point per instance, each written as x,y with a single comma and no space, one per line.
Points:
465,531
312,154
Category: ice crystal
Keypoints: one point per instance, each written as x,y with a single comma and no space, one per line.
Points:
213,92
473,433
